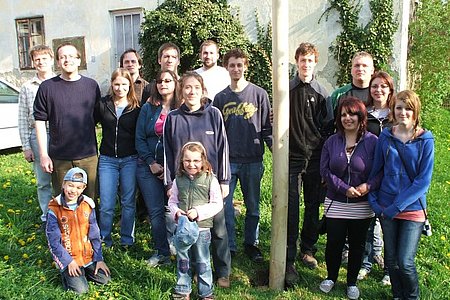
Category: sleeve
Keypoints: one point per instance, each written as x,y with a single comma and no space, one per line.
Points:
169,157
24,126
215,204
59,254
94,237
173,200
266,126
98,112
223,172
333,181
375,177
142,147
40,104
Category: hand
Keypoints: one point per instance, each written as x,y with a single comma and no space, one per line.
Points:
363,188
28,155
74,269
192,214
178,214
169,192
352,193
225,190
102,266
156,169
46,164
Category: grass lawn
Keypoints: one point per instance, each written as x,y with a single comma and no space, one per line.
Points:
27,271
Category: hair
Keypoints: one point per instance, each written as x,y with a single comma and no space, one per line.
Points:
41,49
390,82
67,44
362,54
305,49
199,78
236,53
208,43
353,106
156,98
194,147
412,101
133,101
167,46
130,50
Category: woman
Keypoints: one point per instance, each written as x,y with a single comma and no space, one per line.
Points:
345,165
381,88
404,155
118,113
149,145
198,121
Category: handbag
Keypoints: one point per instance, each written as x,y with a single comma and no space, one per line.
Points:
322,225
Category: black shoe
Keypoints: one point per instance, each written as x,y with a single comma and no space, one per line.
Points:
291,277
254,253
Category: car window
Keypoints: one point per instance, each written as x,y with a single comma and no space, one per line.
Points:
7,94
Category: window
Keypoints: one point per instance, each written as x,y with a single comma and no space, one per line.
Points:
126,29
30,32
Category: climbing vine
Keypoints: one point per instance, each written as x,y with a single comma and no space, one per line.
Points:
375,37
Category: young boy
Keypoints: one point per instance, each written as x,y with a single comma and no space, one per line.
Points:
73,235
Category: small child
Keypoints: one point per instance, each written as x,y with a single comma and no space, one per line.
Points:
74,237
195,199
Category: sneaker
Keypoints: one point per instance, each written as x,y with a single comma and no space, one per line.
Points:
379,261
326,285
352,292
172,249
386,280
210,297
344,257
158,260
309,261
176,296
223,282
291,276
363,274
253,253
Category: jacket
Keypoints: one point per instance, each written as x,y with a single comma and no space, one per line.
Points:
396,192
73,234
118,134
376,125
339,174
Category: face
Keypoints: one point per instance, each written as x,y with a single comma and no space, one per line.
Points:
131,63
209,56
165,85
42,62
192,162
306,64
72,190
192,93
68,59
362,69
349,120
169,60
236,68
120,87
403,114
379,90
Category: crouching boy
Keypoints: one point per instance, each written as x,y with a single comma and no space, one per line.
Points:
74,236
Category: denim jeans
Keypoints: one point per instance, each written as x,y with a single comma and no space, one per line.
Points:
202,263
401,239
249,176
44,179
79,284
112,173
153,192
374,244
304,174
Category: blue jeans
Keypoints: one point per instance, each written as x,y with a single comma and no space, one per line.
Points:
153,192
401,239
79,284
202,263
44,179
249,175
112,172
374,244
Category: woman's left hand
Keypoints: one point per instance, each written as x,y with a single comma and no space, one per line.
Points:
363,188
352,193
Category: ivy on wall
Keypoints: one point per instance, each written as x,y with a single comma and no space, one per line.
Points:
375,37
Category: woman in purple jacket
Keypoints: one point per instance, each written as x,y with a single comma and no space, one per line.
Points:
345,165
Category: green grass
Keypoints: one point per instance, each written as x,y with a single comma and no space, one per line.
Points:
26,270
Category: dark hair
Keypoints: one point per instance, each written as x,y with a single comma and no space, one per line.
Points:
194,147
354,106
305,49
156,98
130,50
166,46
390,82
237,53
67,44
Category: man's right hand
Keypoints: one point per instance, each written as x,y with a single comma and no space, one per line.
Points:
46,164
28,155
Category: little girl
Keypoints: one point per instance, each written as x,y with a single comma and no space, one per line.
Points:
195,194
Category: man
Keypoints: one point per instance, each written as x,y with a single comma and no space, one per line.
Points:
67,102
216,78
246,112
169,57
362,70
309,118
131,60
42,57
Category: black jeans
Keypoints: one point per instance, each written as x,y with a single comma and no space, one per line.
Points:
337,230
304,174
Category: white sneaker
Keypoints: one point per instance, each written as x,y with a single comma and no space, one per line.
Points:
326,285
352,292
362,274
158,260
386,280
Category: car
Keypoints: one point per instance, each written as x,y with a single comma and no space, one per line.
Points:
9,112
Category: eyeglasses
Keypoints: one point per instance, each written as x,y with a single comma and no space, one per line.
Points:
381,86
159,81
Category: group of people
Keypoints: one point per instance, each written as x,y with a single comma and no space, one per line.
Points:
184,142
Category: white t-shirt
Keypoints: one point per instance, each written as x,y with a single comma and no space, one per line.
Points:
216,79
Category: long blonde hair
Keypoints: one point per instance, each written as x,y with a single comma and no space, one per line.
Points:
133,101
412,101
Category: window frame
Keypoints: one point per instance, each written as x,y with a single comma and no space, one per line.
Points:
28,40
